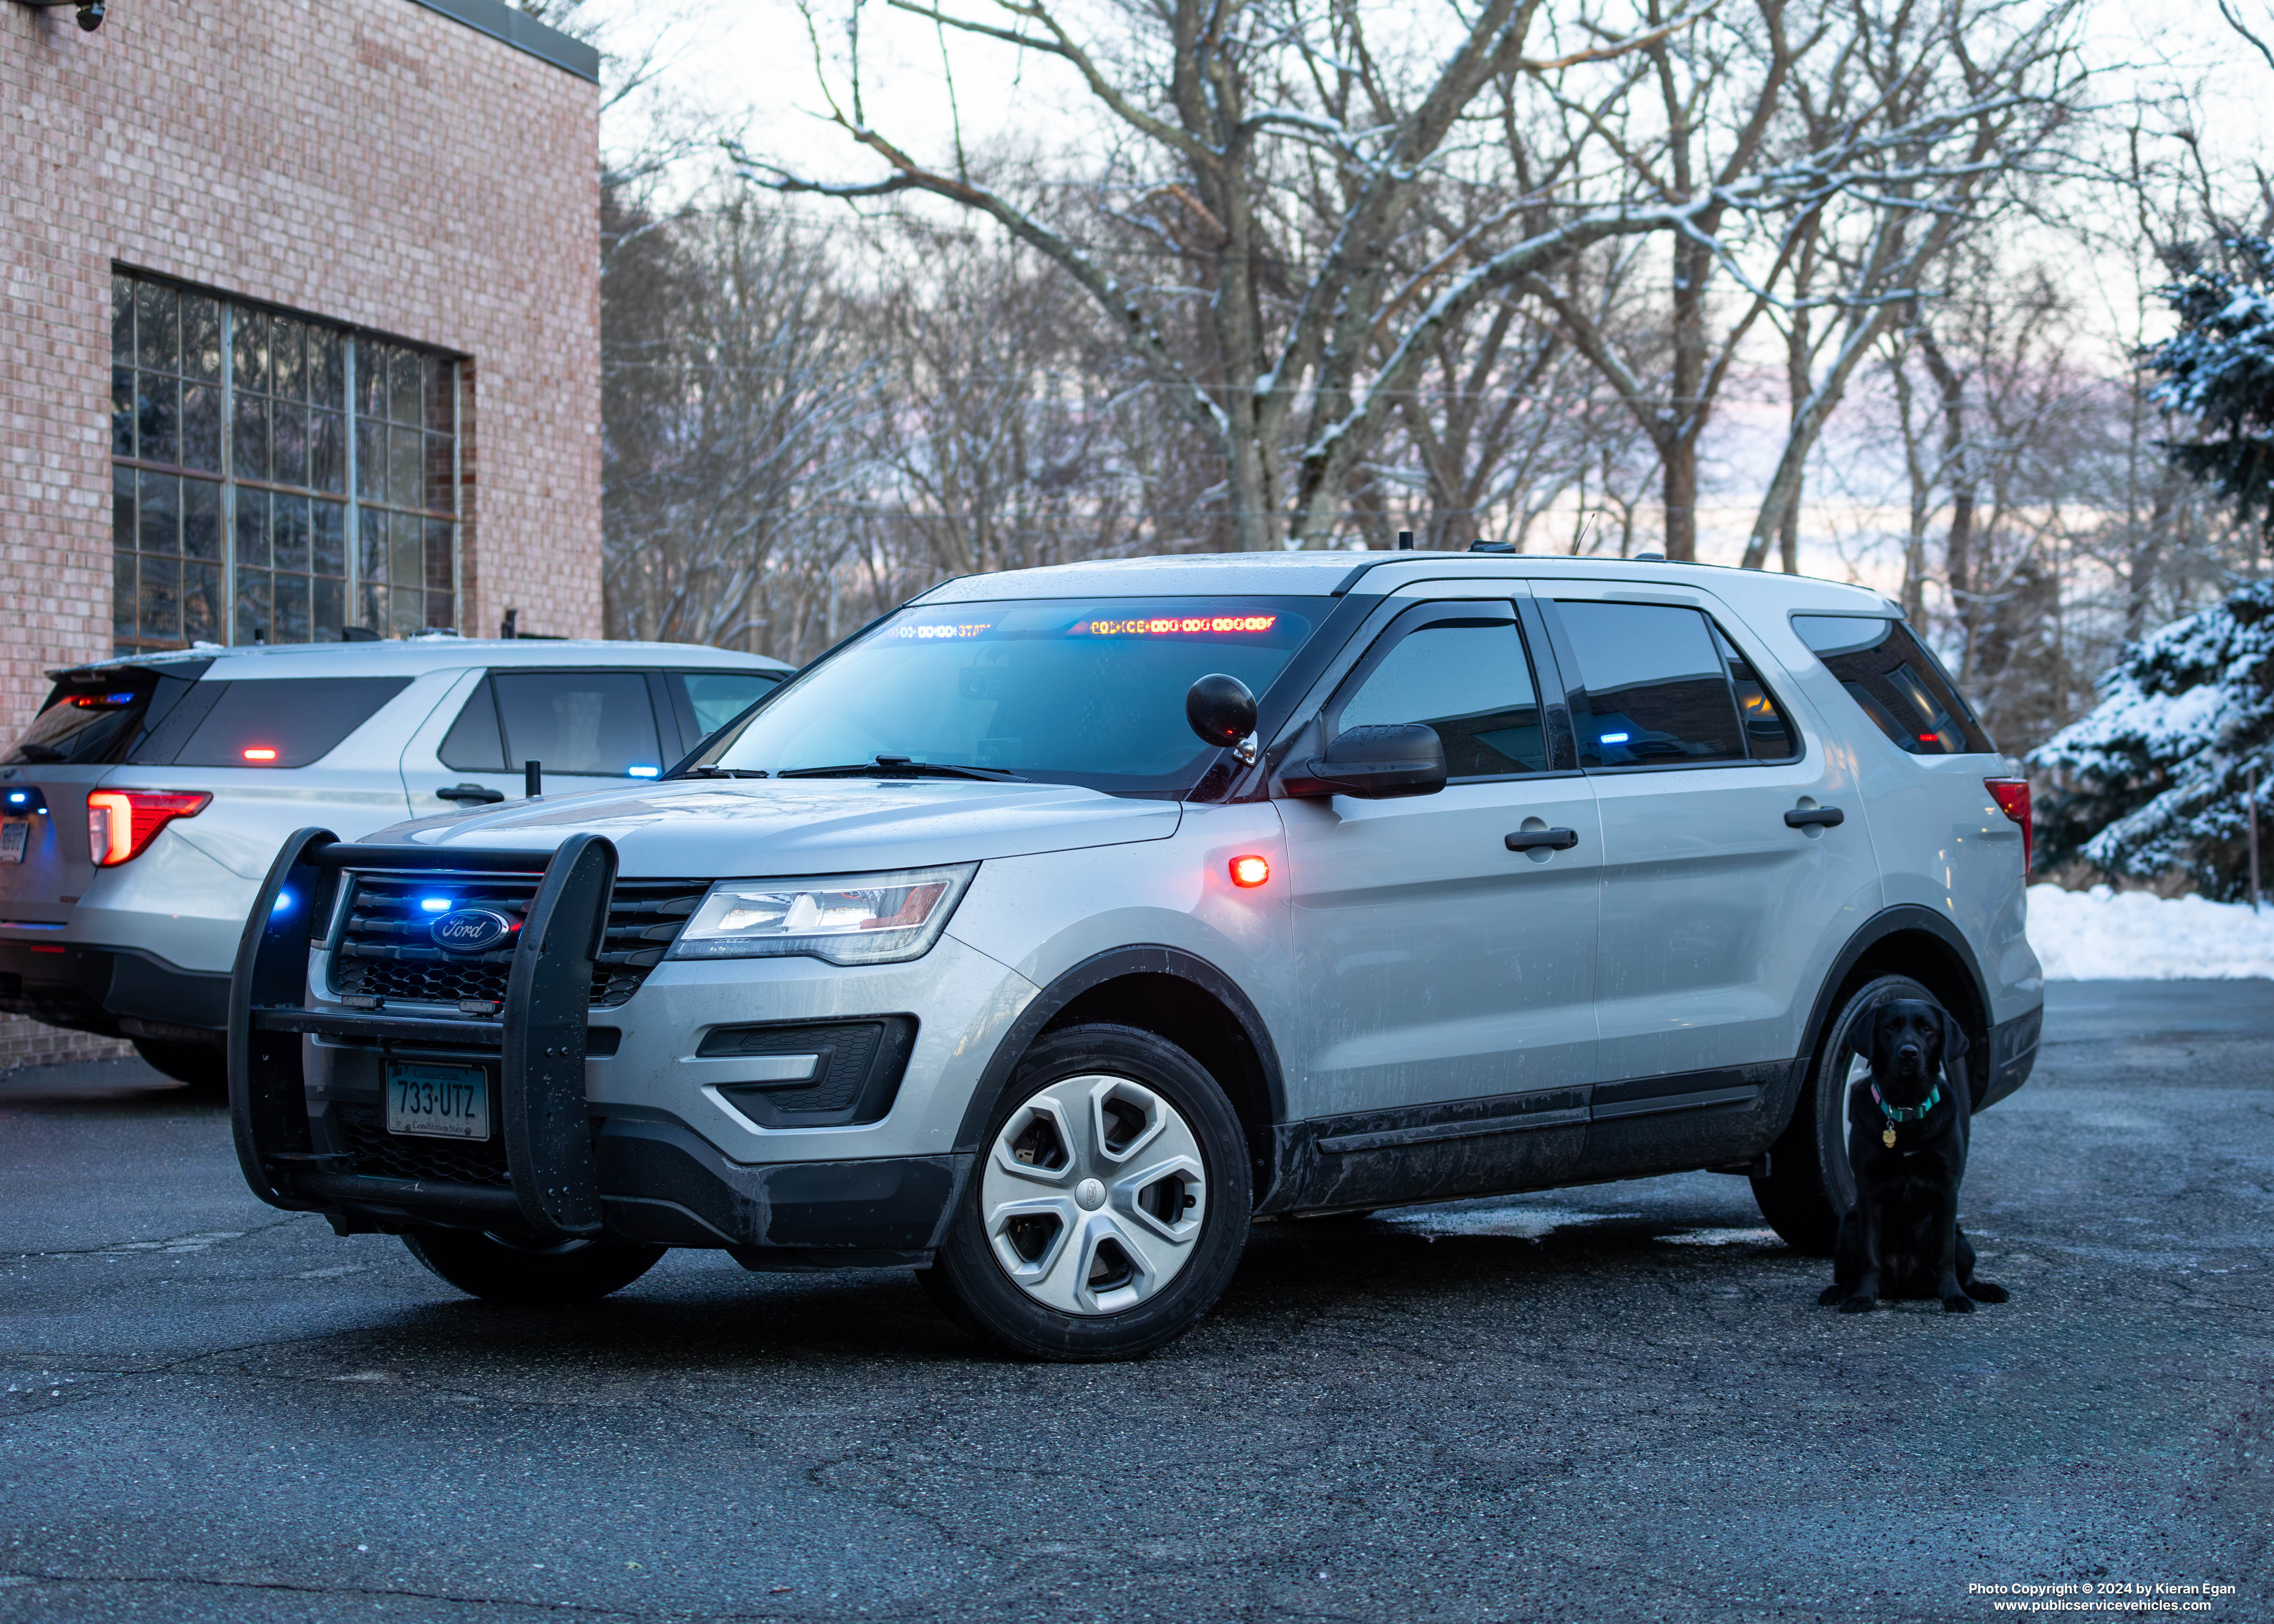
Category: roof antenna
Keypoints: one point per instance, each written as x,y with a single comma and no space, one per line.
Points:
1405,541
532,778
506,630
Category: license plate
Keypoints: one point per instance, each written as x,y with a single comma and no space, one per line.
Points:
15,835
441,1102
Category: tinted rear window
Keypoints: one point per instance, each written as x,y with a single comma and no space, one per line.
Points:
1657,688
97,716
1895,680
282,724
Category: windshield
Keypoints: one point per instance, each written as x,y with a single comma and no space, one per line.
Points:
1064,691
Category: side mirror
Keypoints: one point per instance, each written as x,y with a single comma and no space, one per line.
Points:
1405,758
1221,710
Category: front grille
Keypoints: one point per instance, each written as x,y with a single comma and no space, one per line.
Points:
374,1152
384,950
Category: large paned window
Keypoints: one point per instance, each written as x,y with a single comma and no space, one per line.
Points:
273,478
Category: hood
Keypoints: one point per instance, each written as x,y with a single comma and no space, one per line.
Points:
703,830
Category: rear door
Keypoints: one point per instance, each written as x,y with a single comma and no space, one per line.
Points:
1721,914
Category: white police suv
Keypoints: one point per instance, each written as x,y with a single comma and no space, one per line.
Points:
142,807
1051,931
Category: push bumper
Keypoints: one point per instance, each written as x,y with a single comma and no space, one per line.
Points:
115,991
561,1167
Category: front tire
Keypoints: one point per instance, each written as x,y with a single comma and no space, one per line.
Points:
530,1273
1811,1185
1107,1206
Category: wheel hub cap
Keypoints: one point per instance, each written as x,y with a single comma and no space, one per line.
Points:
1093,1194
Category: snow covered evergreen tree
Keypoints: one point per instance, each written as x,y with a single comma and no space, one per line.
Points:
2154,778
2218,370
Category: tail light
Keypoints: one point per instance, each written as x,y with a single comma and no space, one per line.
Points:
2012,798
120,823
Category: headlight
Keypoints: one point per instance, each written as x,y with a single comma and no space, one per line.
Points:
847,918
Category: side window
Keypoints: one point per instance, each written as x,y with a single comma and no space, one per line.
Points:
1470,682
1768,736
600,723
1896,681
473,743
715,698
1657,688
284,722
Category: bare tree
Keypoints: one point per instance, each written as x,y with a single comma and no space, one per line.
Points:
731,399
1281,269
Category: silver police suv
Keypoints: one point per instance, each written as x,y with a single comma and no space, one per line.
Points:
142,807
1063,923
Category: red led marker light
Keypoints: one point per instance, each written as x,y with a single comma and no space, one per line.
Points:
2012,798
122,823
1249,872
260,753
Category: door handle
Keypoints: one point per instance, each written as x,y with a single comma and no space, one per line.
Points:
1809,817
1554,840
474,792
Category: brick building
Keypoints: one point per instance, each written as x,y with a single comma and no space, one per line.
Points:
300,331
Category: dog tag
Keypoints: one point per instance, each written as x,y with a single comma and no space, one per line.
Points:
1887,1138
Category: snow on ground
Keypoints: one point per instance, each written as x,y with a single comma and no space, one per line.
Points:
2097,934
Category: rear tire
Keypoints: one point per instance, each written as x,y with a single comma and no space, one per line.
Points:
1107,1206
1810,1186
528,1273
204,1067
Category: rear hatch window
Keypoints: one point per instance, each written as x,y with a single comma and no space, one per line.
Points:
266,724
1895,680
98,717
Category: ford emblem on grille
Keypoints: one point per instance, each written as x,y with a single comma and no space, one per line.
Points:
469,930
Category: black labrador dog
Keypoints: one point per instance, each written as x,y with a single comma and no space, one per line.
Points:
1907,1133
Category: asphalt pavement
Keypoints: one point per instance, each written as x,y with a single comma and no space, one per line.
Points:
1617,1402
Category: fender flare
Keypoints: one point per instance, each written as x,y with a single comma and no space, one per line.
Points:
1906,916
1095,972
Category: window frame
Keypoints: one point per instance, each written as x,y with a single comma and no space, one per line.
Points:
351,497
1567,654
1547,684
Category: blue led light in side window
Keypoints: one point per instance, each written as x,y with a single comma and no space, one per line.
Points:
283,903
1612,737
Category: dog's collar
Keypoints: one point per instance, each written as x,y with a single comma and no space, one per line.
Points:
1907,1113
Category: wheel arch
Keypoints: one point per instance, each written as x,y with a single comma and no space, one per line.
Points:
1176,996
1917,942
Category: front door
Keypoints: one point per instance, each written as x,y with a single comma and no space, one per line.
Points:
1440,967
1721,914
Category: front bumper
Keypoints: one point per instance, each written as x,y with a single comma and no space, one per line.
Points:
115,991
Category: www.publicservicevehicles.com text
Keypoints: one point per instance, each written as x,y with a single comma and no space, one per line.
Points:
2114,1595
